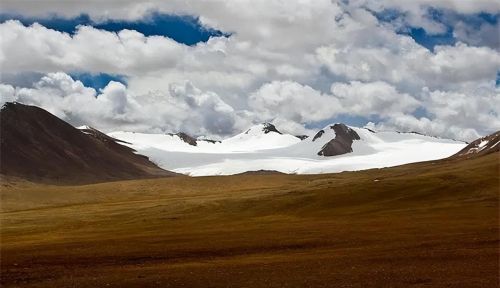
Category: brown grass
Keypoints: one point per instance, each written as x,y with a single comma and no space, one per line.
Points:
432,224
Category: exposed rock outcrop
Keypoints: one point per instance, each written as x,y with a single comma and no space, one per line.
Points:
186,138
342,143
302,137
268,127
318,135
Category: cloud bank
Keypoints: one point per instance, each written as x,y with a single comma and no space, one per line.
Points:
296,64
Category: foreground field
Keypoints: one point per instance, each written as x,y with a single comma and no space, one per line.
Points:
431,224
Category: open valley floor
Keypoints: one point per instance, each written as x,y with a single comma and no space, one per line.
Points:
430,224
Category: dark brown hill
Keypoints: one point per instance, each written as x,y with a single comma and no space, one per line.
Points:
36,145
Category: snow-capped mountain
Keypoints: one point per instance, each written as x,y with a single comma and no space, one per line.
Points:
334,148
258,137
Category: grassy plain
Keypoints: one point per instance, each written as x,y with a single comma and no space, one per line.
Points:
432,224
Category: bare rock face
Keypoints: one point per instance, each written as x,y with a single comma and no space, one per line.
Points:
186,138
268,127
318,135
209,141
482,146
191,140
341,144
302,137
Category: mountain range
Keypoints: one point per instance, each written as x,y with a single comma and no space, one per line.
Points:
39,146
335,148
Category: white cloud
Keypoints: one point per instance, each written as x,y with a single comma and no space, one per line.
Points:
7,94
115,96
486,35
278,65
131,9
402,62
205,110
374,98
293,101
90,49
451,114
426,126
416,12
186,108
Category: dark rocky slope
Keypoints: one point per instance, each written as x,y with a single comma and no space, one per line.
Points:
341,144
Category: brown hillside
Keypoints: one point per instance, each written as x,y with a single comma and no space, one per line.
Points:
37,145
480,147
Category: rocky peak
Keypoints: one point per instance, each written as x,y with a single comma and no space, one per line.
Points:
264,127
268,127
342,143
186,138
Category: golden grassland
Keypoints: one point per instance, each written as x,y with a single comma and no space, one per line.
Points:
432,224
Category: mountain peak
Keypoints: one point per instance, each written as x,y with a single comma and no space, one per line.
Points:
265,127
187,138
342,143
268,127
340,127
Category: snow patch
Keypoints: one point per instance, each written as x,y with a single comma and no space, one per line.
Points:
482,144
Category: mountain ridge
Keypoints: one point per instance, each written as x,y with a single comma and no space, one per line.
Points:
254,150
91,154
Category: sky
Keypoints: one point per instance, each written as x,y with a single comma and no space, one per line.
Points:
214,68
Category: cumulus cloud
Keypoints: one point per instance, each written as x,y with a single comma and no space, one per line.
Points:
293,101
404,63
374,98
451,114
290,62
486,35
90,49
7,93
205,109
130,9
417,13
303,104
185,108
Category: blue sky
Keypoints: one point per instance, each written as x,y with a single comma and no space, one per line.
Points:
447,18
99,80
183,29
